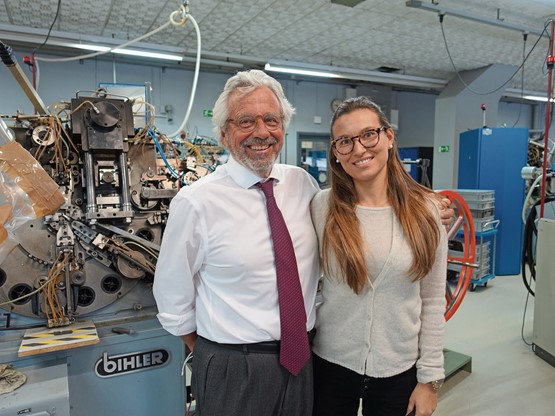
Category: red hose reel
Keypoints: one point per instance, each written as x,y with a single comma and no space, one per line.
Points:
463,228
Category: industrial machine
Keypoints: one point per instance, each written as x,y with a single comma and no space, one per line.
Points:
539,229
83,271
116,184
537,254
544,305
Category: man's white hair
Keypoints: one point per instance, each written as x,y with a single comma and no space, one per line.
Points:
243,83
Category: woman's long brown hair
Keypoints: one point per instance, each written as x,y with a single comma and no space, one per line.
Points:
410,202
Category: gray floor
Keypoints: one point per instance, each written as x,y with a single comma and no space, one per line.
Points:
507,377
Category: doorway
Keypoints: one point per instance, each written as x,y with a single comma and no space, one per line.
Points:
312,156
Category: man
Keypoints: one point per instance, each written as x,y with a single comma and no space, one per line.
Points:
215,282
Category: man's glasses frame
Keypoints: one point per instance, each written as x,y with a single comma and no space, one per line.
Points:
247,122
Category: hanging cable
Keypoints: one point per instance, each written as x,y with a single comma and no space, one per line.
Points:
51,26
177,18
529,197
172,21
524,320
441,16
34,64
525,37
176,133
92,55
528,246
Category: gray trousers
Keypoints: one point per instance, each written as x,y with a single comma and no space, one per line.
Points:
227,382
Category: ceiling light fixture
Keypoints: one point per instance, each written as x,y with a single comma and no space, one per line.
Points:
525,94
86,47
326,71
299,71
157,55
538,98
147,54
432,7
120,51
31,36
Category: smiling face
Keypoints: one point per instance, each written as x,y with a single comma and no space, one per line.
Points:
258,149
365,166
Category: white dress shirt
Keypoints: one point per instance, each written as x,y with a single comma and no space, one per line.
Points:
216,270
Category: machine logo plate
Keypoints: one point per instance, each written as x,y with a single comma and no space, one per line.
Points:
117,365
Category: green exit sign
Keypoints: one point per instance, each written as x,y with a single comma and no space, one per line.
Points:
207,113
444,148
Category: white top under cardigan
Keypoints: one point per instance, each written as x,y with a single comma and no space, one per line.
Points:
216,270
394,322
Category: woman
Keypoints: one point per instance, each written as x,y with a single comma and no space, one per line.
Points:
384,252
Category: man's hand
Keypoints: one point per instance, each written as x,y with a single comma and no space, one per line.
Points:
446,213
190,340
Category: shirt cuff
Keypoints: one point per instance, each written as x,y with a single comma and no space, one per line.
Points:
175,324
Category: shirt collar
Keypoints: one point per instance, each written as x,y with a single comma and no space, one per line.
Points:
245,177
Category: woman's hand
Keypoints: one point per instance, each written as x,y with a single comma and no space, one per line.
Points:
423,400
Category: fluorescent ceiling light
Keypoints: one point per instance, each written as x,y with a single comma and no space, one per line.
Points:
537,98
298,71
146,54
131,52
519,93
326,71
96,48
173,57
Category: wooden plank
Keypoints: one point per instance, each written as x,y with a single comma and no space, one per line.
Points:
44,340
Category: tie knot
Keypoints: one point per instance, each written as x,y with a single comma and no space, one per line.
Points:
267,187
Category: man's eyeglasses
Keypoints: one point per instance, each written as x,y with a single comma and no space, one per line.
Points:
369,138
247,122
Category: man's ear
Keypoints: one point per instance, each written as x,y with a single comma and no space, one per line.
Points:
224,139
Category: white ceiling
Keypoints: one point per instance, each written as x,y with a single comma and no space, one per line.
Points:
373,34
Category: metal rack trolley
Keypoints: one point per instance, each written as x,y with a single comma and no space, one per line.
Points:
486,260
482,206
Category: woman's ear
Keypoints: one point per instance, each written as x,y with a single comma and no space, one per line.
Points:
390,137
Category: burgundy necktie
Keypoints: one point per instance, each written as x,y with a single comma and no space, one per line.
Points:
294,348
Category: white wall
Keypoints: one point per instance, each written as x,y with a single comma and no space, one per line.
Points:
416,118
514,115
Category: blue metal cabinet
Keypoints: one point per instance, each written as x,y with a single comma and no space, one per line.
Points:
492,158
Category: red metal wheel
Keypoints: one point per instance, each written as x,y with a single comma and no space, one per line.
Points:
464,224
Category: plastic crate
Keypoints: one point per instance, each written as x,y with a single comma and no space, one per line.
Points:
481,249
475,195
482,213
484,246
480,205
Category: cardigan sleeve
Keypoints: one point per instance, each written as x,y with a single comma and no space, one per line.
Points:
432,291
